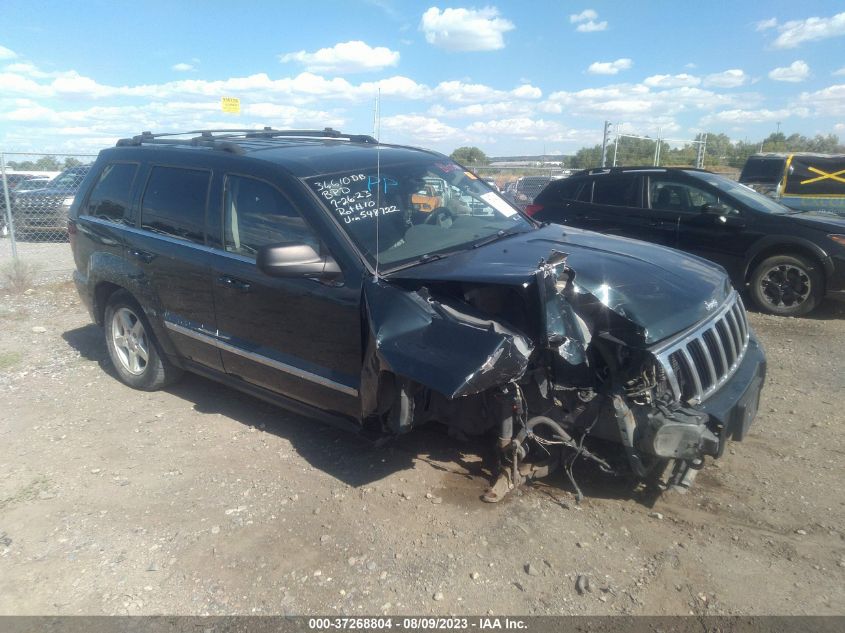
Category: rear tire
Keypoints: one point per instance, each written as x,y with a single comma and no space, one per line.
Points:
787,285
133,348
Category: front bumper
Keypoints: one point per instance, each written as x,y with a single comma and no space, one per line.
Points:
733,407
836,279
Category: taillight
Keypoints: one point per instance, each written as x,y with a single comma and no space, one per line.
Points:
533,209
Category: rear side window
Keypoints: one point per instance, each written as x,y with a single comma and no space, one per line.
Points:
257,214
618,191
767,171
568,189
174,203
109,199
559,190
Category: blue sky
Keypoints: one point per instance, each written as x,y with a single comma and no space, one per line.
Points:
508,77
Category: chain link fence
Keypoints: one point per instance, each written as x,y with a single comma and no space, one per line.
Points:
36,191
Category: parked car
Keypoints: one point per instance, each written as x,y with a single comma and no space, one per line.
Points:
800,181
43,212
526,189
13,182
787,260
33,182
294,266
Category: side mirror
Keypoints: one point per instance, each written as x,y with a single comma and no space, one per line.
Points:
715,209
295,259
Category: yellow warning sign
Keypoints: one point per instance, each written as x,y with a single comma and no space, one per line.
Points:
230,104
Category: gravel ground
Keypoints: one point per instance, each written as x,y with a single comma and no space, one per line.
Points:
48,260
200,500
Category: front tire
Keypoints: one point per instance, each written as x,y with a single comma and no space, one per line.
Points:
787,285
132,346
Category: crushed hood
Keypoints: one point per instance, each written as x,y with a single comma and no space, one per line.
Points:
660,290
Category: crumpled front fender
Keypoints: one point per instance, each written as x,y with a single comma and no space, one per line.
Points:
442,344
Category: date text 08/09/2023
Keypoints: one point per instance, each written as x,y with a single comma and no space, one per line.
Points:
415,623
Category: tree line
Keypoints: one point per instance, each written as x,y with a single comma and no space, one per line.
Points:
45,163
720,151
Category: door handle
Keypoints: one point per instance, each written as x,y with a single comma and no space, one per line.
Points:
144,256
236,284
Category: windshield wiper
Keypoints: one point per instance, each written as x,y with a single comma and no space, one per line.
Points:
423,259
498,235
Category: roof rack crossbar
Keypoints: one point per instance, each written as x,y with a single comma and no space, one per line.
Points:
232,134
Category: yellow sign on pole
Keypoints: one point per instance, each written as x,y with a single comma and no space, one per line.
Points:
231,105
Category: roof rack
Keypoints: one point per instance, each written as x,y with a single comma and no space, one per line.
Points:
619,168
224,139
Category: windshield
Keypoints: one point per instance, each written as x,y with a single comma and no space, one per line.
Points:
68,179
744,194
400,212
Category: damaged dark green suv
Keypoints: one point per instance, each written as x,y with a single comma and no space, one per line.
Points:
381,287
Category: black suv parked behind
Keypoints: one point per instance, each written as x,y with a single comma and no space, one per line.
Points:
788,259
42,213
294,265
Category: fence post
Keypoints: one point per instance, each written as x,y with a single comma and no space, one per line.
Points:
9,223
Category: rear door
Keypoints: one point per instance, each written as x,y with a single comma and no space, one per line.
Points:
617,208
298,337
170,249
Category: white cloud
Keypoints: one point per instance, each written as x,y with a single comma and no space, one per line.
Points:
527,91
523,127
839,73
460,92
609,68
592,27
732,78
671,81
418,126
640,104
748,116
25,68
584,16
828,101
303,88
795,72
7,53
765,25
182,67
796,32
465,29
345,57
488,110
587,21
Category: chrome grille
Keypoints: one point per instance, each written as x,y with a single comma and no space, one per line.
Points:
701,360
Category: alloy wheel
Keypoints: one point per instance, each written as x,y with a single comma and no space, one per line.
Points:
786,285
131,343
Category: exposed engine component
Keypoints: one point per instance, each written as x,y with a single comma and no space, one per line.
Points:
559,372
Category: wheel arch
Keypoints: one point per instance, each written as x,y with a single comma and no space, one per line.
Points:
102,293
776,245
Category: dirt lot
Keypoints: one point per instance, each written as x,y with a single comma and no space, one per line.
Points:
199,500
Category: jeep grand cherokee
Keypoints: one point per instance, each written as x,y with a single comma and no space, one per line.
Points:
293,265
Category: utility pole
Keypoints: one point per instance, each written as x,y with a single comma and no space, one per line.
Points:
604,143
616,147
702,147
657,149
